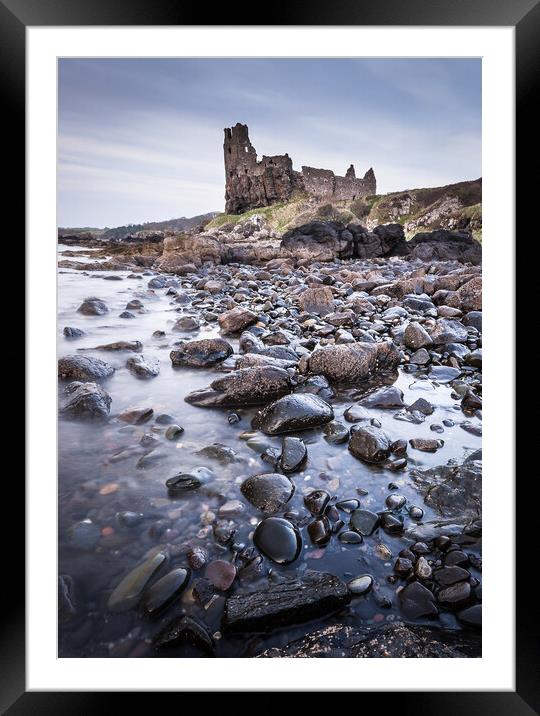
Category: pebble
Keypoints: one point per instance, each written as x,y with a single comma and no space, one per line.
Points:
360,585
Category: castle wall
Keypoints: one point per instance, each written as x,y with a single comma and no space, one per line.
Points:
250,184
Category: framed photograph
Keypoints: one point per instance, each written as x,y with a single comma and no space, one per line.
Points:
258,259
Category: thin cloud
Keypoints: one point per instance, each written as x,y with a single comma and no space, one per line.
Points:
141,139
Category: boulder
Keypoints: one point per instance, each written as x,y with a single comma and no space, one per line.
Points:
370,444
293,412
236,320
352,362
318,241
319,300
201,354
188,250
444,245
77,367
86,400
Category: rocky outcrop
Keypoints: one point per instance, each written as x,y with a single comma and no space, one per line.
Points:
444,245
318,241
194,249
395,640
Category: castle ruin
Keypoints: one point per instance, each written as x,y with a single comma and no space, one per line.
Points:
251,183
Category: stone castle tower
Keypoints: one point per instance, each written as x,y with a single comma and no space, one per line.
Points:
251,183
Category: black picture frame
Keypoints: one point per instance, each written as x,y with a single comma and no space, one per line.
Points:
15,17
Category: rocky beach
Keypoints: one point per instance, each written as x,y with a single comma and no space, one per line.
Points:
270,436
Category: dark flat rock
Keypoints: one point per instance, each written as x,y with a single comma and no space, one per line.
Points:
293,601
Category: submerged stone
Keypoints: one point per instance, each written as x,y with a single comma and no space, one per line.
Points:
129,591
166,589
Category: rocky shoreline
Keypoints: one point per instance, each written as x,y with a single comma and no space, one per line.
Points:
336,358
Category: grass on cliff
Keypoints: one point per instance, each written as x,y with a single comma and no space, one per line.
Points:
371,210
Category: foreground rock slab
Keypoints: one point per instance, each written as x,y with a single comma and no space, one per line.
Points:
293,601
390,641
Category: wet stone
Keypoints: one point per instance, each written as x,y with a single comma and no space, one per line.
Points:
93,307
369,444
348,505
422,406
143,367
455,557
426,445
186,323
456,595
83,368
360,585
293,454
391,524
268,492
71,332
173,432
136,416
320,531
277,539
335,433
422,568
450,575
420,357
395,502
356,414
317,501
86,401
387,397
291,413
417,601
127,518
403,566
471,616
185,482
196,557
202,354
443,374
165,590
364,521
416,513
350,537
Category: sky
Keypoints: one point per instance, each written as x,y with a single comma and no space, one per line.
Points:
142,139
